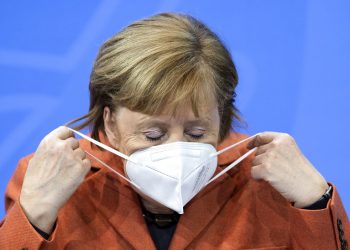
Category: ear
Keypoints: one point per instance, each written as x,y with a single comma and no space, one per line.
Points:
110,127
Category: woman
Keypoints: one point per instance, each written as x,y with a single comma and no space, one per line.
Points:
161,102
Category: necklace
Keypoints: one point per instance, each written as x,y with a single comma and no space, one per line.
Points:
161,220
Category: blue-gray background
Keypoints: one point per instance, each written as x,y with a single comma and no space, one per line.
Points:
292,57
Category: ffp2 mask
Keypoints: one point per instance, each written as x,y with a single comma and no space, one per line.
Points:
171,174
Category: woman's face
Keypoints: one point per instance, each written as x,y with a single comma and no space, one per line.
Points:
130,131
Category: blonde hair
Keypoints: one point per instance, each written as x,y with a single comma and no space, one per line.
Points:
162,61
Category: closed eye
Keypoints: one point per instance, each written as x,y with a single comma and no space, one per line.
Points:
153,139
196,133
154,135
196,136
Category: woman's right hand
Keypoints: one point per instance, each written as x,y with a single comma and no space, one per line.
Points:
56,170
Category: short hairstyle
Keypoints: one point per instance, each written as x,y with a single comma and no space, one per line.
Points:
162,61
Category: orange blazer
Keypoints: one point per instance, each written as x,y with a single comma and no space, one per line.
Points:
234,212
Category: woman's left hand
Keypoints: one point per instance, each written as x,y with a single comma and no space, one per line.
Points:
279,161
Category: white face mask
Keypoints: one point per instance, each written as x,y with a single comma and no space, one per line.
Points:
171,174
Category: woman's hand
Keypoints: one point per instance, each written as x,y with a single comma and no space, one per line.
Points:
54,173
279,161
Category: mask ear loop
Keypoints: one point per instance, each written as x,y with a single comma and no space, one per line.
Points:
234,145
112,150
111,169
108,149
236,162
233,164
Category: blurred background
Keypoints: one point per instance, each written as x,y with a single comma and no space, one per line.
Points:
292,58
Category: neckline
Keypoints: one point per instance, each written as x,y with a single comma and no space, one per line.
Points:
160,220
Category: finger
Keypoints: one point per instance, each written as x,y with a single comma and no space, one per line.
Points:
86,165
262,149
72,142
62,133
85,168
80,153
258,160
257,172
262,139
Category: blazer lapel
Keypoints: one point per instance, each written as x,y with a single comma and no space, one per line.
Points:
203,209
129,222
125,214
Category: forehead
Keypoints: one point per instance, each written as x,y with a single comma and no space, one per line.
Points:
189,110
182,114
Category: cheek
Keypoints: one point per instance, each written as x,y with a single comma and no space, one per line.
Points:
213,140
216,126
216,121
131,143
128,147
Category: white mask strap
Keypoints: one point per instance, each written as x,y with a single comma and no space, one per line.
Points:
108,149
233,164
233,145
112,150
114,171
236,162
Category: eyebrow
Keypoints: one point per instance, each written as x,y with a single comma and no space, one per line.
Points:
203,122
154,122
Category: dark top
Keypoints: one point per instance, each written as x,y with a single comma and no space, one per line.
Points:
161,227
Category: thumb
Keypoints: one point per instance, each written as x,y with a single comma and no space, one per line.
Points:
262,139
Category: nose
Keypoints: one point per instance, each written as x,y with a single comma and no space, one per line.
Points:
177,135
